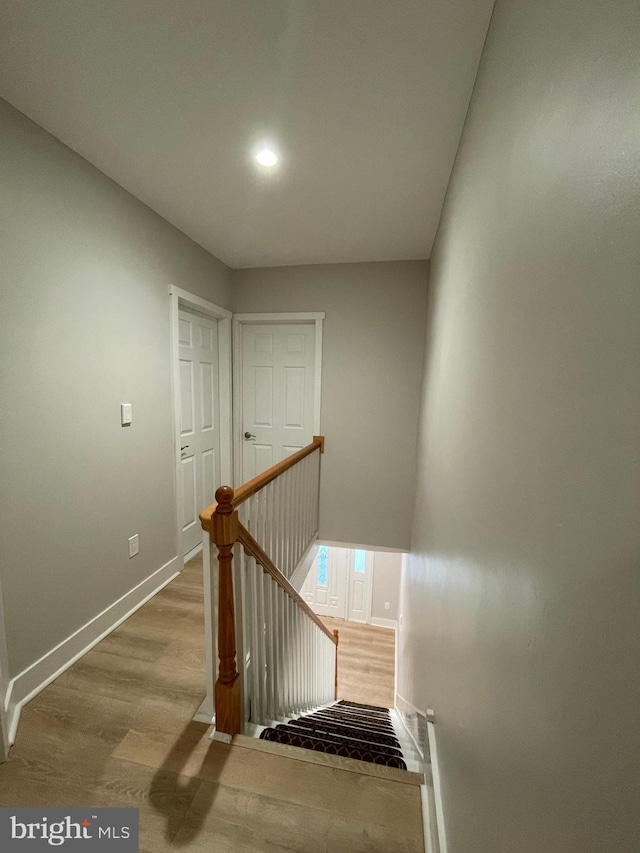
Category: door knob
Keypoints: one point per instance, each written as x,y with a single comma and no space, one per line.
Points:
248,435
184,448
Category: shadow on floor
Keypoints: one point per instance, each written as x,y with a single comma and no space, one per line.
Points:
170,785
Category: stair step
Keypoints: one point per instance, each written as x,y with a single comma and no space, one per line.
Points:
357,732
376,719
283,735
322,734
351,765
364,707
346,719
345,729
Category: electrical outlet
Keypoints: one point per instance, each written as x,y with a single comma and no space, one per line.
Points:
134,546
387,605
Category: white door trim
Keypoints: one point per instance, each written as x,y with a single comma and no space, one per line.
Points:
316,317
183,299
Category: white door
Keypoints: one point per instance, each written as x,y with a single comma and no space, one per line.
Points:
325,589
360,585
200,421
278,389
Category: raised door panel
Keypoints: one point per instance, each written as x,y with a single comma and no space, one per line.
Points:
187,401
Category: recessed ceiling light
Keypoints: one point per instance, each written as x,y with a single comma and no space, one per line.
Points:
266,157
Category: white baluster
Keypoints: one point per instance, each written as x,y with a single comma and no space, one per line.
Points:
251,623
287,527
307,661
316,493
281,651
301,512
295,518
316,666
294,658
321,669
287,658
327,671
267,583
329,674
260,656
311,693
242,609
283,522
279,523
299,696
307,501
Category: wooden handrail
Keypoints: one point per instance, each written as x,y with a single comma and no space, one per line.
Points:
253,549
250,488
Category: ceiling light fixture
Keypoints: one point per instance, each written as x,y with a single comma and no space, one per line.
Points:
266,157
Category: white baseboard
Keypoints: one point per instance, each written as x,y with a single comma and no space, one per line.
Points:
40,674
420,727
437,788
431,844
384,623
206,712
192,553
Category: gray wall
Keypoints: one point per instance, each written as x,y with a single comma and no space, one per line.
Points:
387,568
521,605
372,364
84,326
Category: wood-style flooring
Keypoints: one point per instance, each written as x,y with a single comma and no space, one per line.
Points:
366,662
115,730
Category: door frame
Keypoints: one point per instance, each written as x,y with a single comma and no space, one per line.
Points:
316,317
183,299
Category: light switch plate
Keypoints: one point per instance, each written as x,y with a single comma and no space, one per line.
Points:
126,414
134,546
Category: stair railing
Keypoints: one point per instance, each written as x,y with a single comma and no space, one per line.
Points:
288,656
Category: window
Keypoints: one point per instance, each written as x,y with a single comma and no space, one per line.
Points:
358,562
323,559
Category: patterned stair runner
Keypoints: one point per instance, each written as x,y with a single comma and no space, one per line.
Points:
348,729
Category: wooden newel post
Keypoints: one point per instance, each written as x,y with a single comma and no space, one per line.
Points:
224,532
336,634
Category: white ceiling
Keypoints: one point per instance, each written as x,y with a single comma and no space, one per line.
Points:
364,98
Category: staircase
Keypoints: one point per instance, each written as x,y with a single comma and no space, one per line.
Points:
347,729
276,662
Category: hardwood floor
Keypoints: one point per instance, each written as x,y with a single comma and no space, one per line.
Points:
116,730
366,662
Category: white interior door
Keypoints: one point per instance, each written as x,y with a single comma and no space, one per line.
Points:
360,585
278,390
325,589
199,421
